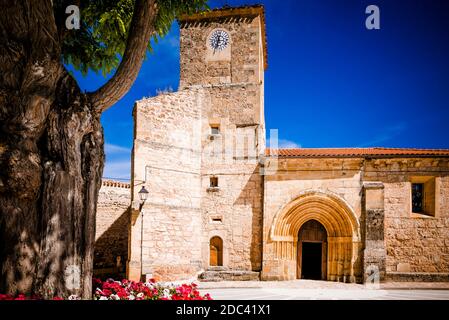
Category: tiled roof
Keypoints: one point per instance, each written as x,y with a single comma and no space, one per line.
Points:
226,12
356,152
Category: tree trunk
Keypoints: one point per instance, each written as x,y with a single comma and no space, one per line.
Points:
51,150
51,160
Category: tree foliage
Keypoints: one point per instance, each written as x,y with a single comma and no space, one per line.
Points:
100,42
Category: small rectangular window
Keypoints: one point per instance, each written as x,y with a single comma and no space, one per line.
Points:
213,182
215,129
417,197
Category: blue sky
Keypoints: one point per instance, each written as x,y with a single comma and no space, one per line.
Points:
330,82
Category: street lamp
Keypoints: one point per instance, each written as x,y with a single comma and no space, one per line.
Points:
143,194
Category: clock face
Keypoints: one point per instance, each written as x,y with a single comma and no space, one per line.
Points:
219,40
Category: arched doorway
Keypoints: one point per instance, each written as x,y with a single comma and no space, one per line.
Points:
312,251
342,244
216,252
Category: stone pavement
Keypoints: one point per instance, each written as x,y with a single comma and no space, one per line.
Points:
318,290
321,290
323,294
314,284
416,285
298,284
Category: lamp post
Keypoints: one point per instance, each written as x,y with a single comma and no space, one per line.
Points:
143,195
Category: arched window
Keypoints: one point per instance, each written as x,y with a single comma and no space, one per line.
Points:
216,251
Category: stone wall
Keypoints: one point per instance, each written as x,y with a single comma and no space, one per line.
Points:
175,154
363,203
167,160
232,157
233,87
406,243
112,224
242,65
414,242
234,213
235,79
289,179
173,144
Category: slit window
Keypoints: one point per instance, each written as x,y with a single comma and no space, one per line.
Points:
215,129
213,182
424,195
417,197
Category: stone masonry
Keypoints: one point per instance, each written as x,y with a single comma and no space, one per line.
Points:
174,157
223,206
112,224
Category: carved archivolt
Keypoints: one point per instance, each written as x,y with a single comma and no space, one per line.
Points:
329,209
337,217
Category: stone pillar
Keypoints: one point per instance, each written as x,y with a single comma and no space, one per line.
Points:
374,254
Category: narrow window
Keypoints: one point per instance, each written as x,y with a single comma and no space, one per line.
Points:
216,251
215,129
213,182
417,197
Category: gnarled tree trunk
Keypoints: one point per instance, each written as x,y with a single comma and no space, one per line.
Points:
51,150
51,160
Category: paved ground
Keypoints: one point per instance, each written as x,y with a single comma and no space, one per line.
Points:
320,290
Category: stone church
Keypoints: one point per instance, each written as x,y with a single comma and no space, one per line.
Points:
221,205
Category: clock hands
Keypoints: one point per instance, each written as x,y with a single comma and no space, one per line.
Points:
218,40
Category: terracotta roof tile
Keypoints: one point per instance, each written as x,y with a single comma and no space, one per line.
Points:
356,152
114,183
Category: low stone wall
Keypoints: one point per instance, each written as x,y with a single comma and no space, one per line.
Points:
112,224
415,243
229,275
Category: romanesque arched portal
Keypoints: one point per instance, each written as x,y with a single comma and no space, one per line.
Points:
312,251
340,223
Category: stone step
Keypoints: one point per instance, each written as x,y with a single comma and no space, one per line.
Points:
229,275
217,268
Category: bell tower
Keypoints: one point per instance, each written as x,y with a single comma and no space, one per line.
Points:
223,46
223,56
224,52
197,151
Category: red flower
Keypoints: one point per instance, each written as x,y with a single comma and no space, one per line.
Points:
106,292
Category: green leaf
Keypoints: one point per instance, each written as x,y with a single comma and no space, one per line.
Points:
104,28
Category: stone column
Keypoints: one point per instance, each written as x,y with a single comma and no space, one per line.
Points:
374,254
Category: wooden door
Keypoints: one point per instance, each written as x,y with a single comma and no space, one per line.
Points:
312,231
216,251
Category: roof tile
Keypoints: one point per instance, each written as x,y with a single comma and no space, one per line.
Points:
356,152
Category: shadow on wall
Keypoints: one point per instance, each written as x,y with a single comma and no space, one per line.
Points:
252,194
111,248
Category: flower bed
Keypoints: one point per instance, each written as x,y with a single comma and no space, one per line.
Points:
24,297
130,290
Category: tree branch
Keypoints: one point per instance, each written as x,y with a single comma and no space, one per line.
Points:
141,30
